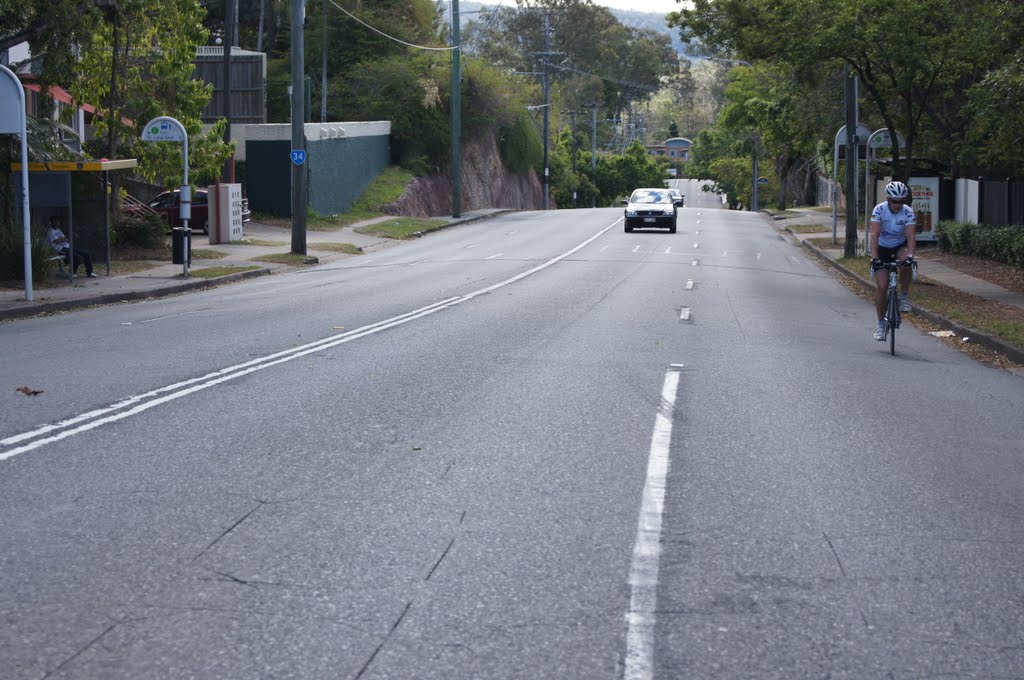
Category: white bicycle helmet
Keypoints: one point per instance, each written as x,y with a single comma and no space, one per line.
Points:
896,190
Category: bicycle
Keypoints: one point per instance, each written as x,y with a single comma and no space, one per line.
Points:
892,306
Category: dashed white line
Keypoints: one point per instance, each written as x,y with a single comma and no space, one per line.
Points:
643,573
689,284
494,256
684,314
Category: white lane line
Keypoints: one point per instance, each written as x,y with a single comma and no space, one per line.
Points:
696,245
668,251
695,262
494,256
684,314
689,284
636,249
643,573
143,402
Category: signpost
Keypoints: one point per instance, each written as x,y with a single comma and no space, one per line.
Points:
12,121
879,139
167,129
862,133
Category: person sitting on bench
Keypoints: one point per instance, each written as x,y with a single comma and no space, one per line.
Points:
59,243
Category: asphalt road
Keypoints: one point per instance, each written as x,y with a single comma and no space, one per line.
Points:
532,447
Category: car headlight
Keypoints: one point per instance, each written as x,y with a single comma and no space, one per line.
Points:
630,213
670,211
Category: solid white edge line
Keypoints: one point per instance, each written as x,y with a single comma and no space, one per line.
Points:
643,573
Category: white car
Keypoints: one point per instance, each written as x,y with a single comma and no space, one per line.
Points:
651,208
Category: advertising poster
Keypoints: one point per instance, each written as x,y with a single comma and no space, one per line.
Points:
924,192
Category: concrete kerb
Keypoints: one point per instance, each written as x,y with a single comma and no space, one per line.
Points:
1012,352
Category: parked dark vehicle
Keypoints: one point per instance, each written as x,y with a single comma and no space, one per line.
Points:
651,208
168,204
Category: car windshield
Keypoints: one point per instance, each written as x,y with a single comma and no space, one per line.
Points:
649,197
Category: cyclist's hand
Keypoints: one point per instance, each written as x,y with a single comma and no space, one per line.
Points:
909,261
876,263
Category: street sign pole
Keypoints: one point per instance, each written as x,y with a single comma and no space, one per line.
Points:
13,120
167,129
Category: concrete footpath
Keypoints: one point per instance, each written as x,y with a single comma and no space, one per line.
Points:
935,271
163,278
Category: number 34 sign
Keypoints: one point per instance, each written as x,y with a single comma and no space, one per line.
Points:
299,156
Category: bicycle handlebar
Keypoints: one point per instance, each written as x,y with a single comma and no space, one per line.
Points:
893,266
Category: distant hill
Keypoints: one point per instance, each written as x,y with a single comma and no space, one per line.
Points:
650,20
655,21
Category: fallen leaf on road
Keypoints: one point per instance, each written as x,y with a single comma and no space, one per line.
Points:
28,391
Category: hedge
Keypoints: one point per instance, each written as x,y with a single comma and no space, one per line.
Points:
1001,244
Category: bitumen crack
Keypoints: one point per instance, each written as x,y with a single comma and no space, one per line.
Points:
259,504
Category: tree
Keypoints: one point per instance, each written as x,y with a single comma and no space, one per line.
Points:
914,61
593,58
996,137
145,70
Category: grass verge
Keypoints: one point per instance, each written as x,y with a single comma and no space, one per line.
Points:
401,227
347,248
215,272
1002,321
290,259
810,229
261,242
207,254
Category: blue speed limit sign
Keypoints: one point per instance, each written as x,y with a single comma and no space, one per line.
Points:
299,156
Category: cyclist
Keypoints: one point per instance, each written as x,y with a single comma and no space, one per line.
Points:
893,238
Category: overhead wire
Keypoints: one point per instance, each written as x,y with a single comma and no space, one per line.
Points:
391,37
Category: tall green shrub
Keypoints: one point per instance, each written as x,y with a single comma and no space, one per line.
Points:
12,252
521,145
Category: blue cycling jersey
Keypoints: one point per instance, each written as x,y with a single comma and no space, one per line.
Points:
893,224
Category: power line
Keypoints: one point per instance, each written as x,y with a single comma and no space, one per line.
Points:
391,37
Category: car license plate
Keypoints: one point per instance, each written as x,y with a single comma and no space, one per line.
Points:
650,219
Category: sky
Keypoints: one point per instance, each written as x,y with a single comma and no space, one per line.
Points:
659,6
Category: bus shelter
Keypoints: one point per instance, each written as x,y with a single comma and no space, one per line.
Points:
50,189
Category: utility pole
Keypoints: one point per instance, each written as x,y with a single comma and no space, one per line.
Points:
323,64
298,131
456,103
852,152
593,148
547,110
573,154
228,174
